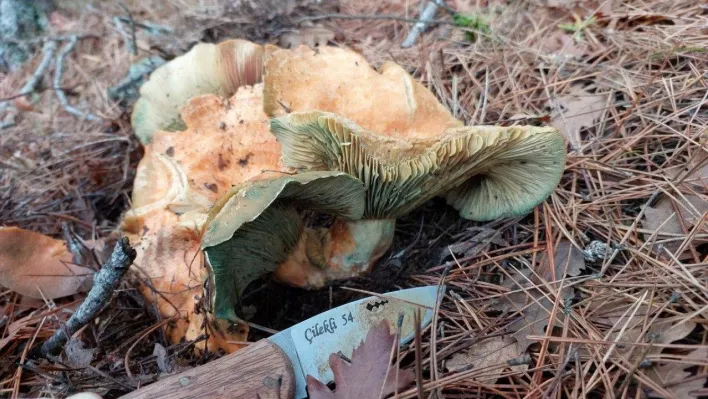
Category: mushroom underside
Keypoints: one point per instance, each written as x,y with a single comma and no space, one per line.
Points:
492,171
258,225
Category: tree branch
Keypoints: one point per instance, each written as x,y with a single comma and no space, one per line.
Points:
58,72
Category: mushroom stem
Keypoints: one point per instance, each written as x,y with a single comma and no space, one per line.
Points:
346,249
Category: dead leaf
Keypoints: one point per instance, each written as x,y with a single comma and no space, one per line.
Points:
163,362
533,321
369,375
313,37
509,300
77,355
610,314
567,259
496,351
661,332
673,378
576,110
38,266
477,244
561,43
535,307
693,173
691,210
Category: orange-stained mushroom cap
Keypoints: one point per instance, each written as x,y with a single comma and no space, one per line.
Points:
337,80
182,174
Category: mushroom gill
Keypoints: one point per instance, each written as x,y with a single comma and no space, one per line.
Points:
401,174
257,225
332,111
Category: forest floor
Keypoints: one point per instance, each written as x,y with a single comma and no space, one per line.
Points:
615,260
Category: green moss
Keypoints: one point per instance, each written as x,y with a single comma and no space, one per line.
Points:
472,23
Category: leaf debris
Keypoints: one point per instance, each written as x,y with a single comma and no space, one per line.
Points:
368,374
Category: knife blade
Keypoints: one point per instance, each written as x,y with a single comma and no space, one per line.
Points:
277,366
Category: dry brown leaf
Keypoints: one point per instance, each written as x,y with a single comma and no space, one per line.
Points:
691,210
673,378
567,259
369,375
536,306
39,266
576,110
313,37
610,314
693,173
477,244
533,321
496,351
561,43
663,331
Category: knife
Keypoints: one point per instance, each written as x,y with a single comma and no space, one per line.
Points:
276,367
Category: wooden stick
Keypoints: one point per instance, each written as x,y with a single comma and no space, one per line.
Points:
105,282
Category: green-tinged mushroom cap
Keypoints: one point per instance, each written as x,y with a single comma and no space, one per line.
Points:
400,174
516,181
205,69
257,225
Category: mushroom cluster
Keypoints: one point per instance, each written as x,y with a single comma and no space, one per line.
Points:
242,141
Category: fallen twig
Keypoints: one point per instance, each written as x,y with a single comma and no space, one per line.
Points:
104,283
133,41
48,50
425,17
150,27
58,72
50,47
370,17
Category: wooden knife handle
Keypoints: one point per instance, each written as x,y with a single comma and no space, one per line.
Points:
261,370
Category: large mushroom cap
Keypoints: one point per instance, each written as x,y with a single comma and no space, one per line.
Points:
206,69
257,226
337,80
400,174
518,169
182,174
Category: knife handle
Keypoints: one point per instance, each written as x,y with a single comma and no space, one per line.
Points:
261,370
